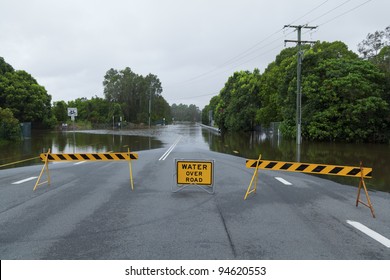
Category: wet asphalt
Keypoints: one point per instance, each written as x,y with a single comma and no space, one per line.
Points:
90,212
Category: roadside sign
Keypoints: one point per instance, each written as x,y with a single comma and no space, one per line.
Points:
194,172
72,112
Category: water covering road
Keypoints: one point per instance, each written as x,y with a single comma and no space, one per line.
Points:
90,212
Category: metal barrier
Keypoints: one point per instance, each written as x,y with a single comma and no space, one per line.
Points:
323,169
49,157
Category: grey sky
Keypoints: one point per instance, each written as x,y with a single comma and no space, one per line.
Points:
69,45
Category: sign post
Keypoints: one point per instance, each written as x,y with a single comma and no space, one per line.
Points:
72,113
195,172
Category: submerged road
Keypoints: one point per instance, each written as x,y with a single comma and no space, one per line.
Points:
90,212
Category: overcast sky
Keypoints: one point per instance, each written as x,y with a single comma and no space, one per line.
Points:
193,46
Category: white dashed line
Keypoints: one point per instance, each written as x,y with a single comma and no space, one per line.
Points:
24,180
283,181
80,162
374,235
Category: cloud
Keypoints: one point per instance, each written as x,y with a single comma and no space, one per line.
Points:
69,45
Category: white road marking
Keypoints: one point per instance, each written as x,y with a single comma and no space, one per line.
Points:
80,162
283,181
24,180
166,154
373,234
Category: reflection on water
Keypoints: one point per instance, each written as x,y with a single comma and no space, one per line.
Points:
272,147
69,142
246,145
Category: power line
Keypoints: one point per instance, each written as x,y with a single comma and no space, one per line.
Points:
312,10
342,4
340,15
248,51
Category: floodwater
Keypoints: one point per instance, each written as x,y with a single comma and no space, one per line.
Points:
247,145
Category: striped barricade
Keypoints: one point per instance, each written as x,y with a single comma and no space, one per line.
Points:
49,157
313,168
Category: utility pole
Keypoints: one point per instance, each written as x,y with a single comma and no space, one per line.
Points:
150,105
299,87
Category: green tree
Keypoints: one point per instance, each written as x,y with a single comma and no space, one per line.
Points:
184,112
343,101
238,101
9,125
133,92
60,111
21,93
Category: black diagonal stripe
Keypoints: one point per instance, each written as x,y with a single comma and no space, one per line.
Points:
96,156
61,157
271,164
119,156
369,174
286,166
108,156
336,170
72,156
319,168
133,156
50,157
354,171
84,156
302,167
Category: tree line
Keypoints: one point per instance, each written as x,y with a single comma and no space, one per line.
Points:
345,96
128,97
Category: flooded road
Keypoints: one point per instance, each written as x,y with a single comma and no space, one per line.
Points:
247,145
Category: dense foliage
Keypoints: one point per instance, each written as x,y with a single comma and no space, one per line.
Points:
133,92
344,97
9,125
183,112
238,101
20,92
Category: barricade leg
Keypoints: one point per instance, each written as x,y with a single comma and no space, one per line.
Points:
131,170
45,166
254,180
363,184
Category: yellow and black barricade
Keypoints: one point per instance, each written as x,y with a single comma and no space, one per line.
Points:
49,157
324,169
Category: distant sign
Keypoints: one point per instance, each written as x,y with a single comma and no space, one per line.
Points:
194,172
72,112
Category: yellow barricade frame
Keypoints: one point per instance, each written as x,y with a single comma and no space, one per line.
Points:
323,169
49,157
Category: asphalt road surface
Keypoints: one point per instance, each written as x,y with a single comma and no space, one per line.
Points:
90,212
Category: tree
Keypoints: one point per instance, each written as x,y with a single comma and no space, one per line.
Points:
343,101
133,92
183,112
238,101
21,93
60,111
9,125
374,42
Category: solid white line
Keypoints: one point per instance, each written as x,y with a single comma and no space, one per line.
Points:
80,162
378,237
166,154
23,181
283,181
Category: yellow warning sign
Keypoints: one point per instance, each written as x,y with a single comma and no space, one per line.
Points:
194,172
